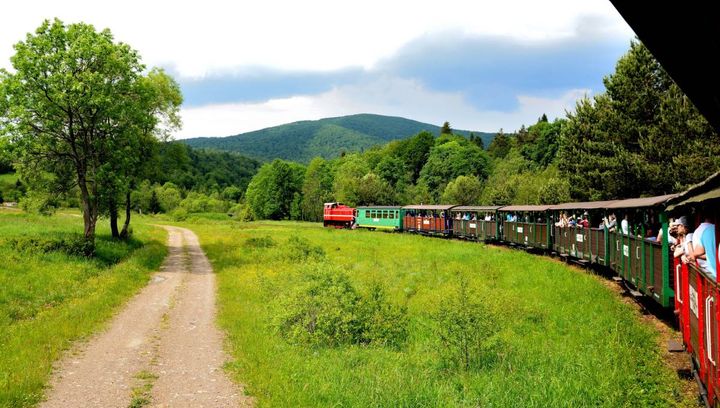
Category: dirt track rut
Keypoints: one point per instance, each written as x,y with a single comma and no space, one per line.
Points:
163,349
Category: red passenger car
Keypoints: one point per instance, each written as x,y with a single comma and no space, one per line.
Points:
338,215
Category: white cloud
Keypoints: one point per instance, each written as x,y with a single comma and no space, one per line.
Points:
385,95
197,38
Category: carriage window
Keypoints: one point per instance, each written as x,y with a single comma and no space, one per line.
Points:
392,215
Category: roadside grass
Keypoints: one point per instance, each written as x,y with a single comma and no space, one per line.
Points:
48,300
566,340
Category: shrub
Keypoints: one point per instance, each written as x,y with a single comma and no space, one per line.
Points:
328,311
465,329
179,214
260,242
73,244
241,212
300,249
384,323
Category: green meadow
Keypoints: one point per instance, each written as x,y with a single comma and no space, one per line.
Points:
51,296
388,326
558,337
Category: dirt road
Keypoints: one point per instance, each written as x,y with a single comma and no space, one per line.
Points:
162,350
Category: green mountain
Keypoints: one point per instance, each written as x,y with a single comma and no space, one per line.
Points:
301,141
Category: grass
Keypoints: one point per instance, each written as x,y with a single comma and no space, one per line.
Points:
566,339
49,300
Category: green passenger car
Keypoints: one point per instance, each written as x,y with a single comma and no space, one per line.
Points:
381,217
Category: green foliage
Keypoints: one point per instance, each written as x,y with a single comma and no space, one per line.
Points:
552,347
348,178
500,145
327,311
317,188
621,143
326,138
414,152
464,190
39,202
272,190
446,129
449,160
260,242
80,112
301,250
70,244
465,326
154,206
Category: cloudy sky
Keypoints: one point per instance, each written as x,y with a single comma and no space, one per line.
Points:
246,65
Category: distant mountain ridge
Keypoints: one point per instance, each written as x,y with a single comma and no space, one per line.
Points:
328,138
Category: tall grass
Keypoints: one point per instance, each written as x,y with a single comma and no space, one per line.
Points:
563,339
50,299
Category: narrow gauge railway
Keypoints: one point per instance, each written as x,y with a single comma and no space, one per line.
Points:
630,238
680,37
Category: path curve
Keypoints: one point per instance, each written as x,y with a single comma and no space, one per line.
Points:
163,347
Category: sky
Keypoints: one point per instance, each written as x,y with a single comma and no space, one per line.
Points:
247,65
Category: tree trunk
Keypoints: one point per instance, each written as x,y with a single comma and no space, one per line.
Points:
113,208
125,233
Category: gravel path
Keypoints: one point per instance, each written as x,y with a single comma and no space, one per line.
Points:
162,350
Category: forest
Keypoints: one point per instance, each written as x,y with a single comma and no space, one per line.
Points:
640,137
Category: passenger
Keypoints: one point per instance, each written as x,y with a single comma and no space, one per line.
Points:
466,216
704,237
572,223
684,246
458,216
625,225
610,223
671,239
584,223
563,222
488,217
473,217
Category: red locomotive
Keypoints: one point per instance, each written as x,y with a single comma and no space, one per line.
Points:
338,215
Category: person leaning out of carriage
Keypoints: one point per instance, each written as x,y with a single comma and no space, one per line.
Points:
704,238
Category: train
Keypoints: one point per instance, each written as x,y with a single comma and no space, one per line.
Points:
629,249
680,37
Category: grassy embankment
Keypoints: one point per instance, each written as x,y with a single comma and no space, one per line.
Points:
565,339
49,298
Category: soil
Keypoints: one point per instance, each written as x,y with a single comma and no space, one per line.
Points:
163,349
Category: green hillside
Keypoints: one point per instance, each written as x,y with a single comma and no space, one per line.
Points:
301,141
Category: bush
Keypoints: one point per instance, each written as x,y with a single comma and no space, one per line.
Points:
465,329
260,242
384,323
241,212
179,214
74,244
300,250
328,311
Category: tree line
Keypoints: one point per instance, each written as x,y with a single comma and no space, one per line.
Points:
84,122
641,137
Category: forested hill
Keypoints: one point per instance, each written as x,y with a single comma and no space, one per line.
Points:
327,138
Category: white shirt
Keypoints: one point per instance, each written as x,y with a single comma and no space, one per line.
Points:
688,239
624,227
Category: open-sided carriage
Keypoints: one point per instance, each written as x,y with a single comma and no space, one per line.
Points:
428,219
526,225
479,223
